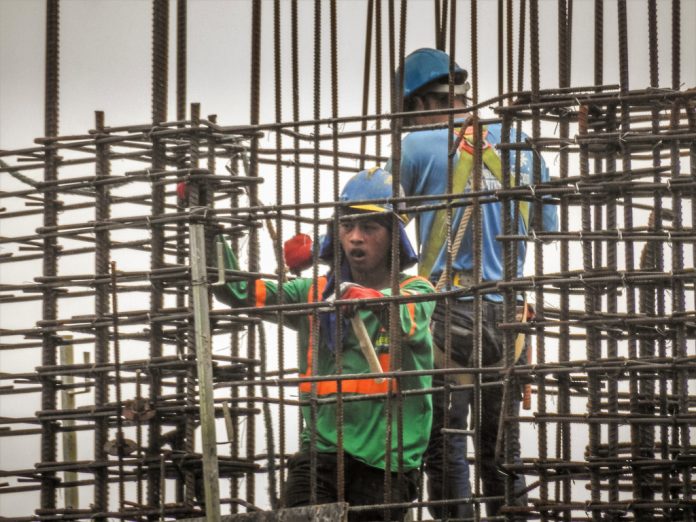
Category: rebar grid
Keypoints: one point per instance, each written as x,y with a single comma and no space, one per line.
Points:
608,435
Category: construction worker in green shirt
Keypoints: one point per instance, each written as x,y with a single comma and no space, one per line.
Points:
364,234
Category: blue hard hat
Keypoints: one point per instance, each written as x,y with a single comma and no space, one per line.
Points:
425,66
374,184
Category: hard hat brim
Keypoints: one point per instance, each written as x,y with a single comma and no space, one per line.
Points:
377,208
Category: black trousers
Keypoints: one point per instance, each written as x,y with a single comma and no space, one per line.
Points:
448,472
364,486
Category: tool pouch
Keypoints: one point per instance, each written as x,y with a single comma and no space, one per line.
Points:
461,326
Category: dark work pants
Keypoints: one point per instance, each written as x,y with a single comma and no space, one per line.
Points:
364,485
448,474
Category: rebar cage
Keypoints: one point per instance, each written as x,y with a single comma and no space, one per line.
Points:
101,401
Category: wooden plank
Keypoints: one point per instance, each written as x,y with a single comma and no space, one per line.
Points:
67,399
204,363
337,512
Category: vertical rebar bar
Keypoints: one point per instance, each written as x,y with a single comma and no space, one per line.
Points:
316,112
649,298
592,348
255,84
194,197
678,289
333,51
50,248
160,60
294,35
181,58
235,351
509,42
378,75
366,79
563,429
507,208
278,84
534,51
101,311
476,227
629,262
181,203
500,19
120,439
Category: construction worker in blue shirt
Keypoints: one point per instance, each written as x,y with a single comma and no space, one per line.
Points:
364,234
424,171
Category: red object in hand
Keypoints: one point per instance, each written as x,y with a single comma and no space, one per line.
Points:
181,190
297,252
360,292
355,291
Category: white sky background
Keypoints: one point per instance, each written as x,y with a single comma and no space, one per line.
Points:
105,65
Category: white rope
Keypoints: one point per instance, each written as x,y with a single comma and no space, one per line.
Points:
455,244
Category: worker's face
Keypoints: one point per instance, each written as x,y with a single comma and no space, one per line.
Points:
366,243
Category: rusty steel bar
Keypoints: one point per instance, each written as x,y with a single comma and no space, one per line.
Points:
101,311
253,249
50,247
160,55
278,498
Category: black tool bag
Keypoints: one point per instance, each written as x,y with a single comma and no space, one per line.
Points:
462,328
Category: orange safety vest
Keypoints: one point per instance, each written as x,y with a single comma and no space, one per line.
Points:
360,386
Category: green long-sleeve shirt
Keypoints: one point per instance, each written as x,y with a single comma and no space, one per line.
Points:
364,421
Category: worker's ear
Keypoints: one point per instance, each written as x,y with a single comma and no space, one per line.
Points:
414,104
419,103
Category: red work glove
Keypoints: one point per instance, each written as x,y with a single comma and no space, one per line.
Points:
297,252
355,291
182,191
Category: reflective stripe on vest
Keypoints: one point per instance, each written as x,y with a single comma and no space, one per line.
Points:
260,293
310,345
411,307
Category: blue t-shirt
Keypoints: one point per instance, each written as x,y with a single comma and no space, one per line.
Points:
424,172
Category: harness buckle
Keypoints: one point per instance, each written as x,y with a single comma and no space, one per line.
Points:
464,279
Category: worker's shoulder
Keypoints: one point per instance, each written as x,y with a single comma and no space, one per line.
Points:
425,138
494,133
416,282
305,285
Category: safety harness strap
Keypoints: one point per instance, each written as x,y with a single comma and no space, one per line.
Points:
460,179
